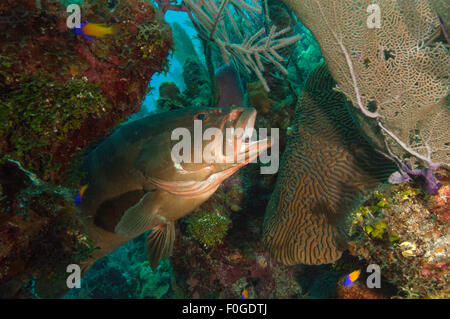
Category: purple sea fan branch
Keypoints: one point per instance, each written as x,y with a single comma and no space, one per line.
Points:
429,182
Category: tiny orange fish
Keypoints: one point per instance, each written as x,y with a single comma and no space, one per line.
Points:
244,294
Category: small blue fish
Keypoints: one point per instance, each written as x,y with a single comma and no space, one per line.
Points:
351,278
89,30
79,31
79,196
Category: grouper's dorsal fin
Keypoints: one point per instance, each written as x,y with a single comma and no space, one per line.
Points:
160,243
138,218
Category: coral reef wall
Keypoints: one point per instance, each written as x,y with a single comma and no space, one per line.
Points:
406,232
60,91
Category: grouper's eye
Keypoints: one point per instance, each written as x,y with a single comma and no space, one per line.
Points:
200,116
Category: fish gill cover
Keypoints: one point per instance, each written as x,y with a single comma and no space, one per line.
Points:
358,92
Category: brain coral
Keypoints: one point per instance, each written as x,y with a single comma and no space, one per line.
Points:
396,75
326,170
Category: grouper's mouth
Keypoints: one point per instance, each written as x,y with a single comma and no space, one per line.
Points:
245,149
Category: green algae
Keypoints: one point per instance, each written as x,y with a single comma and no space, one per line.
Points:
37,112
208,228
370,217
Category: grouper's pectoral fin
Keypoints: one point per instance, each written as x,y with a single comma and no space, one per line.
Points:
160,243
138,218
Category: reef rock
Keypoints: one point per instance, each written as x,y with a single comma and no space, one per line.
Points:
406,233
234,264
62,91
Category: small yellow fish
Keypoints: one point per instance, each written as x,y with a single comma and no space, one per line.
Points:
354,275
244,294
89,30
97,30
351,278
80,194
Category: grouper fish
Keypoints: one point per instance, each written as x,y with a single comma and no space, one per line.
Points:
135,186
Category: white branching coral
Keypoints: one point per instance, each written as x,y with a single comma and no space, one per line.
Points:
396,78
208,16
250,52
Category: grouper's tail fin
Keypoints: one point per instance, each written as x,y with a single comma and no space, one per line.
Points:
160,243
